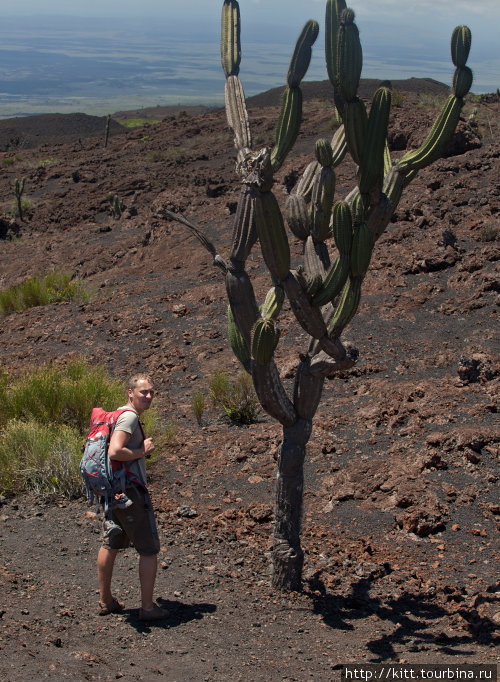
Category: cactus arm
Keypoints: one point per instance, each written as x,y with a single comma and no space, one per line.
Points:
321,204
273,303
237,342
272,235
326,366
297,216
460,45
371,171
350,56
339,146
307,390
347,307
447,120
230,38
288,126
316,258
236,112
387,159
265,337
291,109
309,317
339,271
301,57
244,229
334,9
271,394
436,141
355,125
242,301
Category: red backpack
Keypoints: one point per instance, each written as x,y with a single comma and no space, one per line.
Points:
102,478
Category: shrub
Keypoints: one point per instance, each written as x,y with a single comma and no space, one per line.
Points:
61,394
42,458
489,233
398,98
36,291
139,122
237,397
198,405
11,160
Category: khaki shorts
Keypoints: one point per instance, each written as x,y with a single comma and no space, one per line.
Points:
137,523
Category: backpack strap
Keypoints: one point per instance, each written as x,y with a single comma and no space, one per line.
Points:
123,470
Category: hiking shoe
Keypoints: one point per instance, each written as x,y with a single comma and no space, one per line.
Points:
112,607
111,529
156,613
121,501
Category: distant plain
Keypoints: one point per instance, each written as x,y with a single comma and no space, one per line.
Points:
96,66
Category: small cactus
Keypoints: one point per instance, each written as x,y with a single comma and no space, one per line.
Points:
106,130
117,205
18,192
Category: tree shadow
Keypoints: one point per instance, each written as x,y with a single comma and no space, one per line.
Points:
415,617
179,613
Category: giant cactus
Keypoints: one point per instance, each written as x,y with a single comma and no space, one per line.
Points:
323,296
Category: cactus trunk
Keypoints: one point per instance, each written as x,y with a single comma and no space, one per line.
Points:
287,554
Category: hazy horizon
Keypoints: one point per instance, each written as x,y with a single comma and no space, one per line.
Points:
62,56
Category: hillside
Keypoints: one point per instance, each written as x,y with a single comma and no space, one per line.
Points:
401,520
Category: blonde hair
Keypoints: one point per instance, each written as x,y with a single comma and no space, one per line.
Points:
134,380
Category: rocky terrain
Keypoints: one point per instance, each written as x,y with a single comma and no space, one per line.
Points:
402,517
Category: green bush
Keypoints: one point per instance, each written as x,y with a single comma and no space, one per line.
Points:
237,397
42,458
11,160
490,233
61,394
198,405
139,122
36,291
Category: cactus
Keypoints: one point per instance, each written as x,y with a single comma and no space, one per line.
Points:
106,130
117,205
323,297
18,192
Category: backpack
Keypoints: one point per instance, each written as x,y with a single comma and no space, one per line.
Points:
101,477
